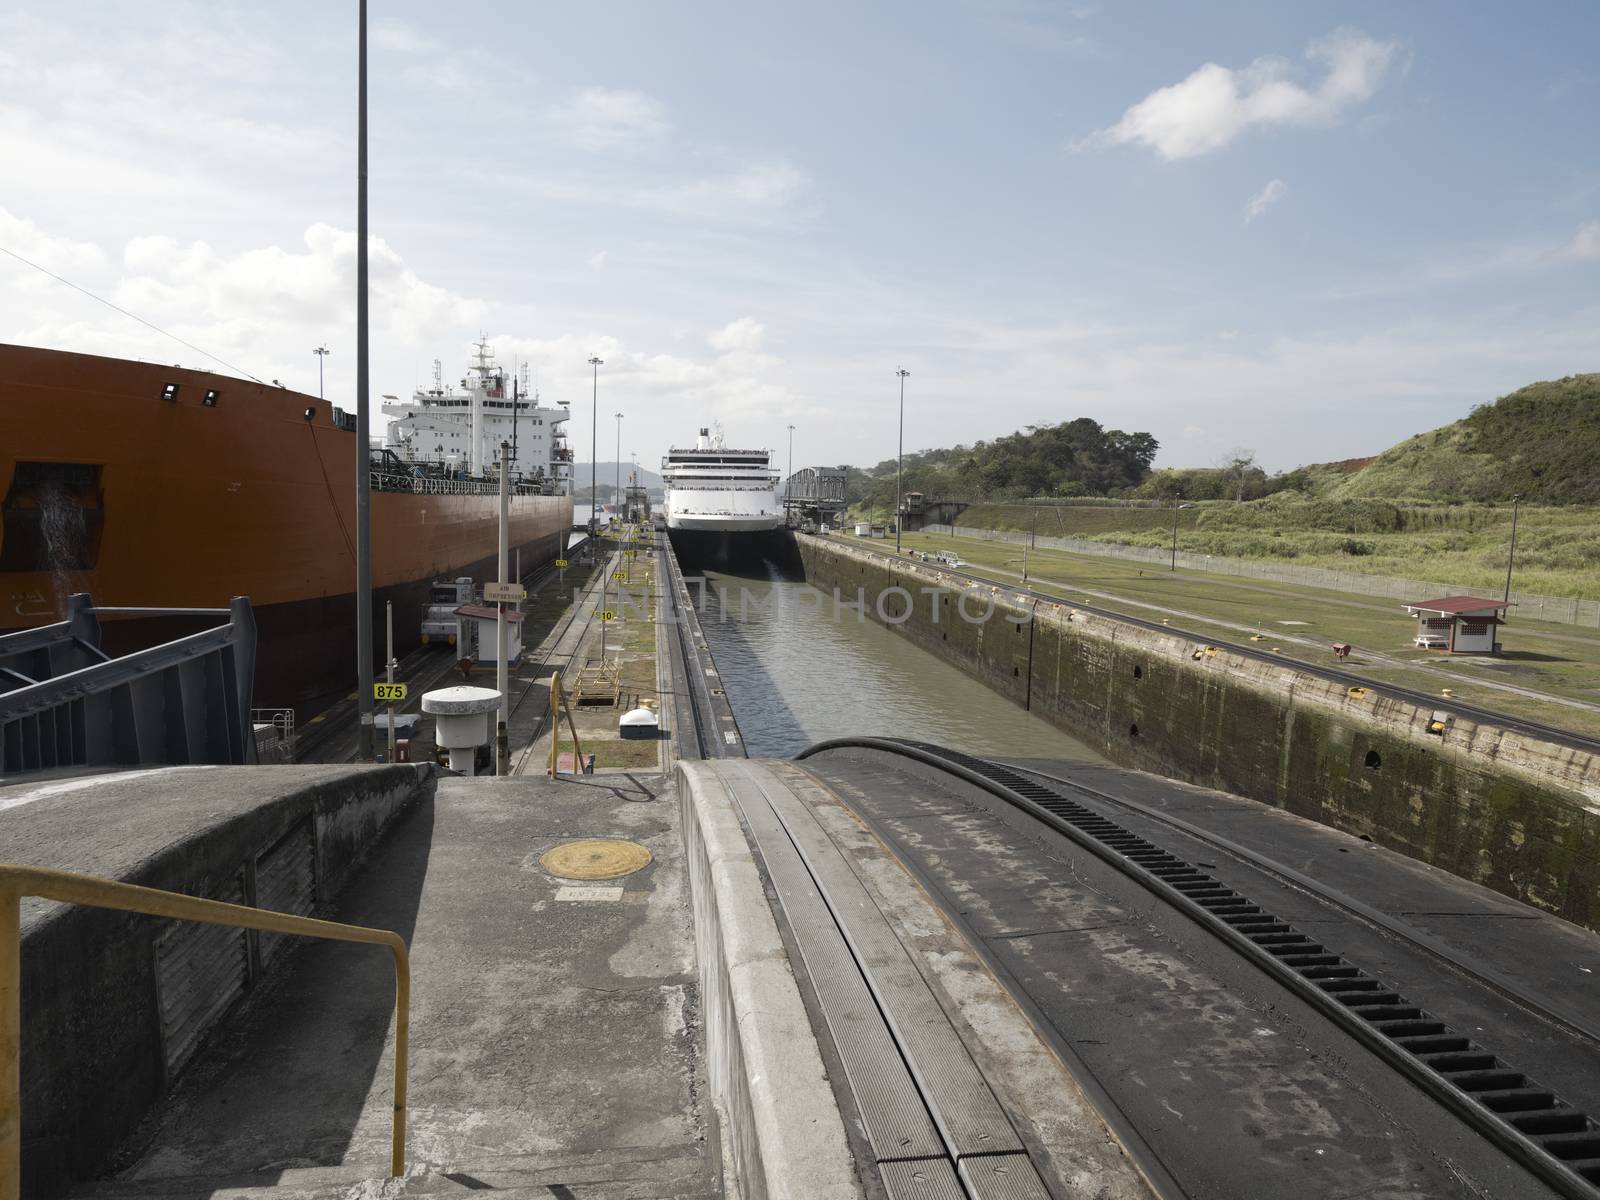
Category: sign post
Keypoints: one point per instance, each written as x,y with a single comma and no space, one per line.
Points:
390,607
501,678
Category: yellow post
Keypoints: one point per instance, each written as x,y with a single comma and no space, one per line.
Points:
65,887
555,721
10,1043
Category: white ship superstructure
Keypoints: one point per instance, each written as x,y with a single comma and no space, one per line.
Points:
462,428
712,489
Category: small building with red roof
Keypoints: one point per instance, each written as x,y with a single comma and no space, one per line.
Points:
1459,624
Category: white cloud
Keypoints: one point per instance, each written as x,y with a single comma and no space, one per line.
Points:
61,255
400,37
1586,242
1275,190
605,118
1215,104
597,261
744,334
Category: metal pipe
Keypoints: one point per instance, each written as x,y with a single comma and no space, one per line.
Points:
389,669
127,611
66,887
364,703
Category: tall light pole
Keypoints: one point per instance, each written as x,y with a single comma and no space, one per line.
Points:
788,475
594,441
321,352
1512,557
900,458
617,498
1176,496
364,702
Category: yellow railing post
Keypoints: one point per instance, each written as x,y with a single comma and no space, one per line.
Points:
65,887
10,1041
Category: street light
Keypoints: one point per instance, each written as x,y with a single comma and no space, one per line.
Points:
594,441
364,703
321,352
900,458
1176,496
617,498
1512,557
788,475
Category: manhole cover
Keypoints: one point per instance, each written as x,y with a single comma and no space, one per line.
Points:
595,858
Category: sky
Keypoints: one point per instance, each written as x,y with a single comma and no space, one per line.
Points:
1307,231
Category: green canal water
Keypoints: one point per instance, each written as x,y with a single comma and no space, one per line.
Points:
797,673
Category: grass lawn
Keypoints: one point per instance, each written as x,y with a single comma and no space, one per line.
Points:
1558,548
1549,660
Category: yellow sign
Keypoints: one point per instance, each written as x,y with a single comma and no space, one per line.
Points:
608,614
619,576
388,693
630,553
561,562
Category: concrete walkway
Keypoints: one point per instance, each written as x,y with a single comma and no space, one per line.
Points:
556,1041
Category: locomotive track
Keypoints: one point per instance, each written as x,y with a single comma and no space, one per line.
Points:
1557,1142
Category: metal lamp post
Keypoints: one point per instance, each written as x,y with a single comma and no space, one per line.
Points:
788,476
1511,558
364,699
1176,497
900,459
321,352
594,442
617,496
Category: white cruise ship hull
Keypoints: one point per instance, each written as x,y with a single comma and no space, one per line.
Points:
704,523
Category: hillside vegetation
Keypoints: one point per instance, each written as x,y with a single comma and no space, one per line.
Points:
1541,442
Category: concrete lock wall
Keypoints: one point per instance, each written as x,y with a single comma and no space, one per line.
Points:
95,1056
1491,805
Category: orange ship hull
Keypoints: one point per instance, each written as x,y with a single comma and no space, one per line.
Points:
149,485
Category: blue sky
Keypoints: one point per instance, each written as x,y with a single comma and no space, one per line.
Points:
1268,225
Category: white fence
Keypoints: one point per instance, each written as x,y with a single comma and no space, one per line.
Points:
1567,610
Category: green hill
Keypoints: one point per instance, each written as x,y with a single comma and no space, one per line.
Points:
1541,442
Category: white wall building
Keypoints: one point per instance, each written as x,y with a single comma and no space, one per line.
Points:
1458,624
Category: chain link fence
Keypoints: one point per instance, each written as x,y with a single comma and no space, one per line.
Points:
1566,610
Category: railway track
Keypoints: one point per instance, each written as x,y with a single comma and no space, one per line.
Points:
1574,1024
1555,1141
420,670
1536,729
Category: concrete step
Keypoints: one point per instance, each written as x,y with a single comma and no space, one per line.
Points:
646,1173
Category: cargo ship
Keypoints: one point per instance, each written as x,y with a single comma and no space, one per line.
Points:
152,485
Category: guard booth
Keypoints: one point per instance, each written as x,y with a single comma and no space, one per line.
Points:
1458,624
477,639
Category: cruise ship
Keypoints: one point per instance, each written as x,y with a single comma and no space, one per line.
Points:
721,500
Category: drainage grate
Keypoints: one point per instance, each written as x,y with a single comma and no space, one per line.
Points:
1557,1141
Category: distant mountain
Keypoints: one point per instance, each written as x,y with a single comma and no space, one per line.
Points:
1542,442
606,475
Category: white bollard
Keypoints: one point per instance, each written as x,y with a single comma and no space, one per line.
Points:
461,718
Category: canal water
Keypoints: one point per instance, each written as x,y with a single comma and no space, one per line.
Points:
797,674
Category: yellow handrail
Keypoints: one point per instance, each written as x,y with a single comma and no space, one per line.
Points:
70,888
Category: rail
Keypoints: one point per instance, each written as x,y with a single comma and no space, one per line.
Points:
67,887
1557,1142
433,485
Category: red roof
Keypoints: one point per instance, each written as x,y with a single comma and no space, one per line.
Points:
1458,604
485,613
